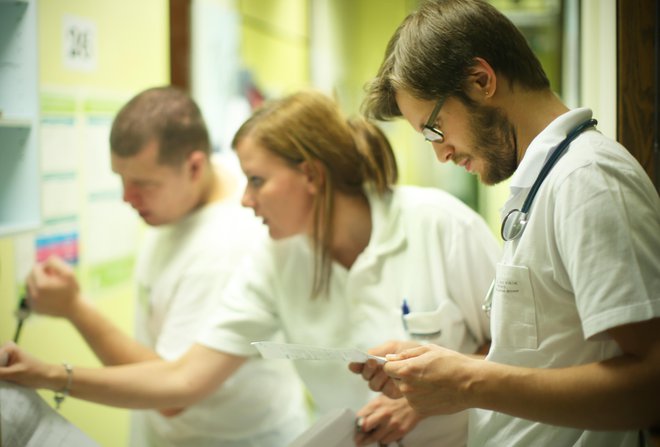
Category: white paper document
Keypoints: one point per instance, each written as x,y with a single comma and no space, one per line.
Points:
26,420
334,429
274,350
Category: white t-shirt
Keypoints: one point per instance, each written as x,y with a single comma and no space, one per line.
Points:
426,247
180,272
588,261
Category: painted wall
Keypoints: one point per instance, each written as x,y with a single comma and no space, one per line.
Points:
274,44
131,53
598,64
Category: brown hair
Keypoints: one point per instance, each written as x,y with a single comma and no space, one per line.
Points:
349,153
165,114
431,52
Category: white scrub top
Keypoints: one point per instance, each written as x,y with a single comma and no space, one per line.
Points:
179,272
588,261
426,247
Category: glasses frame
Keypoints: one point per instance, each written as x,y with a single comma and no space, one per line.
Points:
431,133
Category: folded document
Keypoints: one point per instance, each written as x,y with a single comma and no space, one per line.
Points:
274,350
335,429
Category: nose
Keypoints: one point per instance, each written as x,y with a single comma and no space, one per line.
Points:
247,200
442,152
131,195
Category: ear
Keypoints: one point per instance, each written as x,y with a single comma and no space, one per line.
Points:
195,164
314,175
481,81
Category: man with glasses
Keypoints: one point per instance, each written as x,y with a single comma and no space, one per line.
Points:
575,305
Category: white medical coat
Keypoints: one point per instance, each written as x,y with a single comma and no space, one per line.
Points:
426,247
588,261
179,272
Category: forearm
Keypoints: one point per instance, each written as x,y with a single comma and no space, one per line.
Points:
110,344
622,393
143,385
153,384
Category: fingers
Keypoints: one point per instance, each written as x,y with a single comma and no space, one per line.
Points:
410,353
370,368
402,366
32,282
391,389
43,273
37,280
57,265
377,427
52,288
373,373
369,431
378,381
5,352
376,378
356,367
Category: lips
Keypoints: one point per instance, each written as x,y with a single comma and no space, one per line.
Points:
465,163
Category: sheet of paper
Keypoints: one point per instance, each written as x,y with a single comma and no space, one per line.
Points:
334,429
274,350
27,420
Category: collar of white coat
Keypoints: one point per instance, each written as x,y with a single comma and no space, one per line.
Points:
540,149
387,232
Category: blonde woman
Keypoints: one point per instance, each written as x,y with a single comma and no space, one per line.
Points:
347,248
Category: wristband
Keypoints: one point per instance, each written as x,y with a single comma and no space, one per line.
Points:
64,392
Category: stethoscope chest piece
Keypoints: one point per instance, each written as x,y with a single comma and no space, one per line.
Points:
515,221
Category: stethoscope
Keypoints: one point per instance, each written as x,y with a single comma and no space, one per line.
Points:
515,221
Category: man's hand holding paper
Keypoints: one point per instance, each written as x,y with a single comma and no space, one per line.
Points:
373,372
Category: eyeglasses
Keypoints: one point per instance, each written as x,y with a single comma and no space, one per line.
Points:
431,133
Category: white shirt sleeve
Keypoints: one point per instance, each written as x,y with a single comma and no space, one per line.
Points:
247,313
608,234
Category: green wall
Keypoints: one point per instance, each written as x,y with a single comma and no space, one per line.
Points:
274,44
133,53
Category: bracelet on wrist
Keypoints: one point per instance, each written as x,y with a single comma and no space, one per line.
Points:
64,392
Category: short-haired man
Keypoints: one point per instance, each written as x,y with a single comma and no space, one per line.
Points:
161,150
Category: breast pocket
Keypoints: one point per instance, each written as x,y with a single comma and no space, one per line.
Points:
513,315
443,326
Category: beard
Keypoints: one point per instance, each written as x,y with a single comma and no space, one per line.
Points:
494,143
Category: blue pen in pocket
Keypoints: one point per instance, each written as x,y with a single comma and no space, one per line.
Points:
405,310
